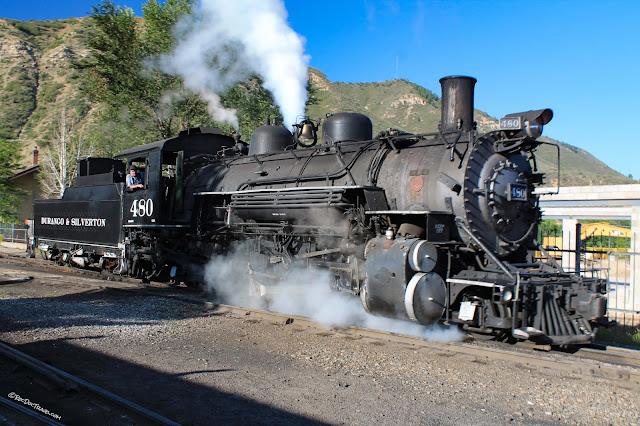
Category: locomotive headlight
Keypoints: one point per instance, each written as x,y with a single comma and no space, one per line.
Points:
529,121
507,295
533,128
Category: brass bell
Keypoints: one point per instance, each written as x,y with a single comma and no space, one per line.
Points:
307,131
306,134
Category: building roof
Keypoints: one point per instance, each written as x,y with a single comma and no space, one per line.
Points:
26,172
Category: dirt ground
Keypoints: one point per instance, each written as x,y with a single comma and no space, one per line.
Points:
196,366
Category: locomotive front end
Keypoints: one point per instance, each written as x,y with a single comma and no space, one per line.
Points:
479,189
495,198
500,206
486,180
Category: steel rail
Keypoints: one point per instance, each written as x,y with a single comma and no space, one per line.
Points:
618,363
41,418
67,379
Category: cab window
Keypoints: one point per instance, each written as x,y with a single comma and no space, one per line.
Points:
136,173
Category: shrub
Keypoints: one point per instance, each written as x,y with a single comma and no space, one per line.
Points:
31,28
54,44
627,337
50,92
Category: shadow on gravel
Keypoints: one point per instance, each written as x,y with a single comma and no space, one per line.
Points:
100,307
16,281
182,401
176,396
193,373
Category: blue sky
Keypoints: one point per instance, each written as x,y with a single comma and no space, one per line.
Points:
579,58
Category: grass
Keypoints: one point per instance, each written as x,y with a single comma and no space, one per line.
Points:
55,43
629,336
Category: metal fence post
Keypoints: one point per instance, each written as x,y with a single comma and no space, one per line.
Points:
578,246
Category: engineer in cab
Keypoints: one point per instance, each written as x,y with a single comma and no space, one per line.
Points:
134,179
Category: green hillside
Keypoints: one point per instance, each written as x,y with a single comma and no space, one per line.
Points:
38,80
407,106
397,103
36,77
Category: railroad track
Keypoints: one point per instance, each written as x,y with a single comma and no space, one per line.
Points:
616,355
51,396
12,412
610,362
599,360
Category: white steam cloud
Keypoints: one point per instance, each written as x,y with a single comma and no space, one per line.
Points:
307,293
224,42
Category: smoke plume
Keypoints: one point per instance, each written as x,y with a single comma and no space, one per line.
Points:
225,42
307,293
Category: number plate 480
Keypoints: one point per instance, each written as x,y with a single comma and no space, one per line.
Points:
141,208
517,192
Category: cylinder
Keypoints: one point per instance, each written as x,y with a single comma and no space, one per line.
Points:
425,298
423,256
457,103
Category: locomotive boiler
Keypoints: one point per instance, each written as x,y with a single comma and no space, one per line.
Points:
423,227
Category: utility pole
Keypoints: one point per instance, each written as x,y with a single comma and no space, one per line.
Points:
397,66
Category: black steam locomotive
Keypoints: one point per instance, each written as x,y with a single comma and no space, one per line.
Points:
424,227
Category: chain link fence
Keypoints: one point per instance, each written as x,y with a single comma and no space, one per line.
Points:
13,233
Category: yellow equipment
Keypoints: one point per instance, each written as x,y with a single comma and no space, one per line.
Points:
599,230
603,229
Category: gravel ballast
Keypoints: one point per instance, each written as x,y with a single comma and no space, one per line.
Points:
198,366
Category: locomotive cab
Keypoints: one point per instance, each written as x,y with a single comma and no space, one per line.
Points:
156,216
164,164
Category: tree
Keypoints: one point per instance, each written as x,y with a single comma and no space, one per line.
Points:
253,104
141,97
549,228
159,22
60,159
133,93
9,193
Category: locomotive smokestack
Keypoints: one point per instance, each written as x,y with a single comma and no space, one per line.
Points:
457,103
